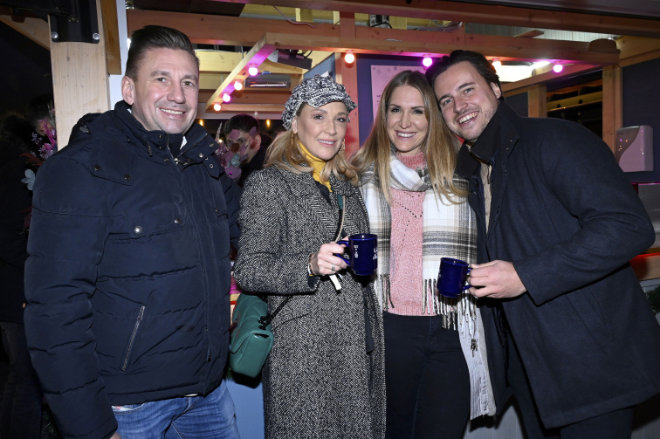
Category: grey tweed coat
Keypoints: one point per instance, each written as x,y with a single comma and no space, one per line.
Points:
319,381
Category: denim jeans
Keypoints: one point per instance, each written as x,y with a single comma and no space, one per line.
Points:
191,417
20,410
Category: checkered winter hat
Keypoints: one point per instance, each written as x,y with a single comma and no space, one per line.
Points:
316,92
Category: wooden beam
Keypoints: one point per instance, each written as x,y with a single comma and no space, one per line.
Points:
257,55
111,36
35,29
416,43
328,37
513,88
637,49
478,12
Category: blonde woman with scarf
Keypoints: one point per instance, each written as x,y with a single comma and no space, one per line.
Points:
324,377
435,355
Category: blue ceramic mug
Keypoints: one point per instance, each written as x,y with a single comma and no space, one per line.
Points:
453,277
362,253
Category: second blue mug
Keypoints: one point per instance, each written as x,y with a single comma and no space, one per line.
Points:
362,253
453,277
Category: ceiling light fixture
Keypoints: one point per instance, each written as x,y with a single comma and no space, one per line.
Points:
557,68
238,85
217,107
349,58
226,97
253,70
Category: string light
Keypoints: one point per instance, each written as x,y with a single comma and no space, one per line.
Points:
349,58
253,70
238,85
226,97
557,68
427,61
217,107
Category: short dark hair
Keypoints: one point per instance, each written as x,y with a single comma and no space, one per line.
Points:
155,37
478,61
243,122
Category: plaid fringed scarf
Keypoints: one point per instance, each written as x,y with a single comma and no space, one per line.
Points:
449,231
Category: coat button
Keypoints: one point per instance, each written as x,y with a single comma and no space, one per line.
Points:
201,156
137,230
127,177
177,221
211,165
97,168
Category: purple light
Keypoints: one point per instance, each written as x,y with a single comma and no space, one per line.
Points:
427,61
226,97
557,68
253,70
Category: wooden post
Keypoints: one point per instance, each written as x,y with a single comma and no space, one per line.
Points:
537,101
80,81
347,75
612,104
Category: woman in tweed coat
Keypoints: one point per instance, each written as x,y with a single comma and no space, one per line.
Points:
324,377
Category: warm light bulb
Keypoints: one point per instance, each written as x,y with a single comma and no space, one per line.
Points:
268,123
238,85
427,61
253,70
226,97
349,58
217,107
557,68
497,63
201,122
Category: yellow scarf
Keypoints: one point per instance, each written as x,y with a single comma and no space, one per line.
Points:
316,164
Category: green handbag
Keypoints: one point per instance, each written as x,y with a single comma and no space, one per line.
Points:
252,338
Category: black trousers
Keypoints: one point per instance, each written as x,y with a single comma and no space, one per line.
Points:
428,384
613,425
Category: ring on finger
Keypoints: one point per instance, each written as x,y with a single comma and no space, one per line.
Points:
332,268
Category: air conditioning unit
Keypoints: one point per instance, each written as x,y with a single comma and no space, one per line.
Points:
268,81
634,148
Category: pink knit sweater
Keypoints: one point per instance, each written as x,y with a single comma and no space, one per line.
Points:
406,246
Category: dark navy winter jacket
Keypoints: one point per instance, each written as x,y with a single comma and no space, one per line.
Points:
128,273
565,215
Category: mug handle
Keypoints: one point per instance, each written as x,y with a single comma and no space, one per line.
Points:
343,241
467,286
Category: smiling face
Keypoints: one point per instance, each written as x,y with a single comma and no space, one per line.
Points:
407,124
163,95
466,100
322,129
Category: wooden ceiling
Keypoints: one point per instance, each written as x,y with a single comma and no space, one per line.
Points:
234,34
238,33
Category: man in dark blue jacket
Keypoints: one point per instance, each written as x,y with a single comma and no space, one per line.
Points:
569,331
128,273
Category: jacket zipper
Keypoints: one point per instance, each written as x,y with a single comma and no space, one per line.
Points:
131,342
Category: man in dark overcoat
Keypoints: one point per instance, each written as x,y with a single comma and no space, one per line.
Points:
570,333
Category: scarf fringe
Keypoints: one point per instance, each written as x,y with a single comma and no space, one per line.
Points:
454,312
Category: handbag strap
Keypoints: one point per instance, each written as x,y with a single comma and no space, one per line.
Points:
268,318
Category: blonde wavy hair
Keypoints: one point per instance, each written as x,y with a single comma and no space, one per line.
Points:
285,153
439,146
